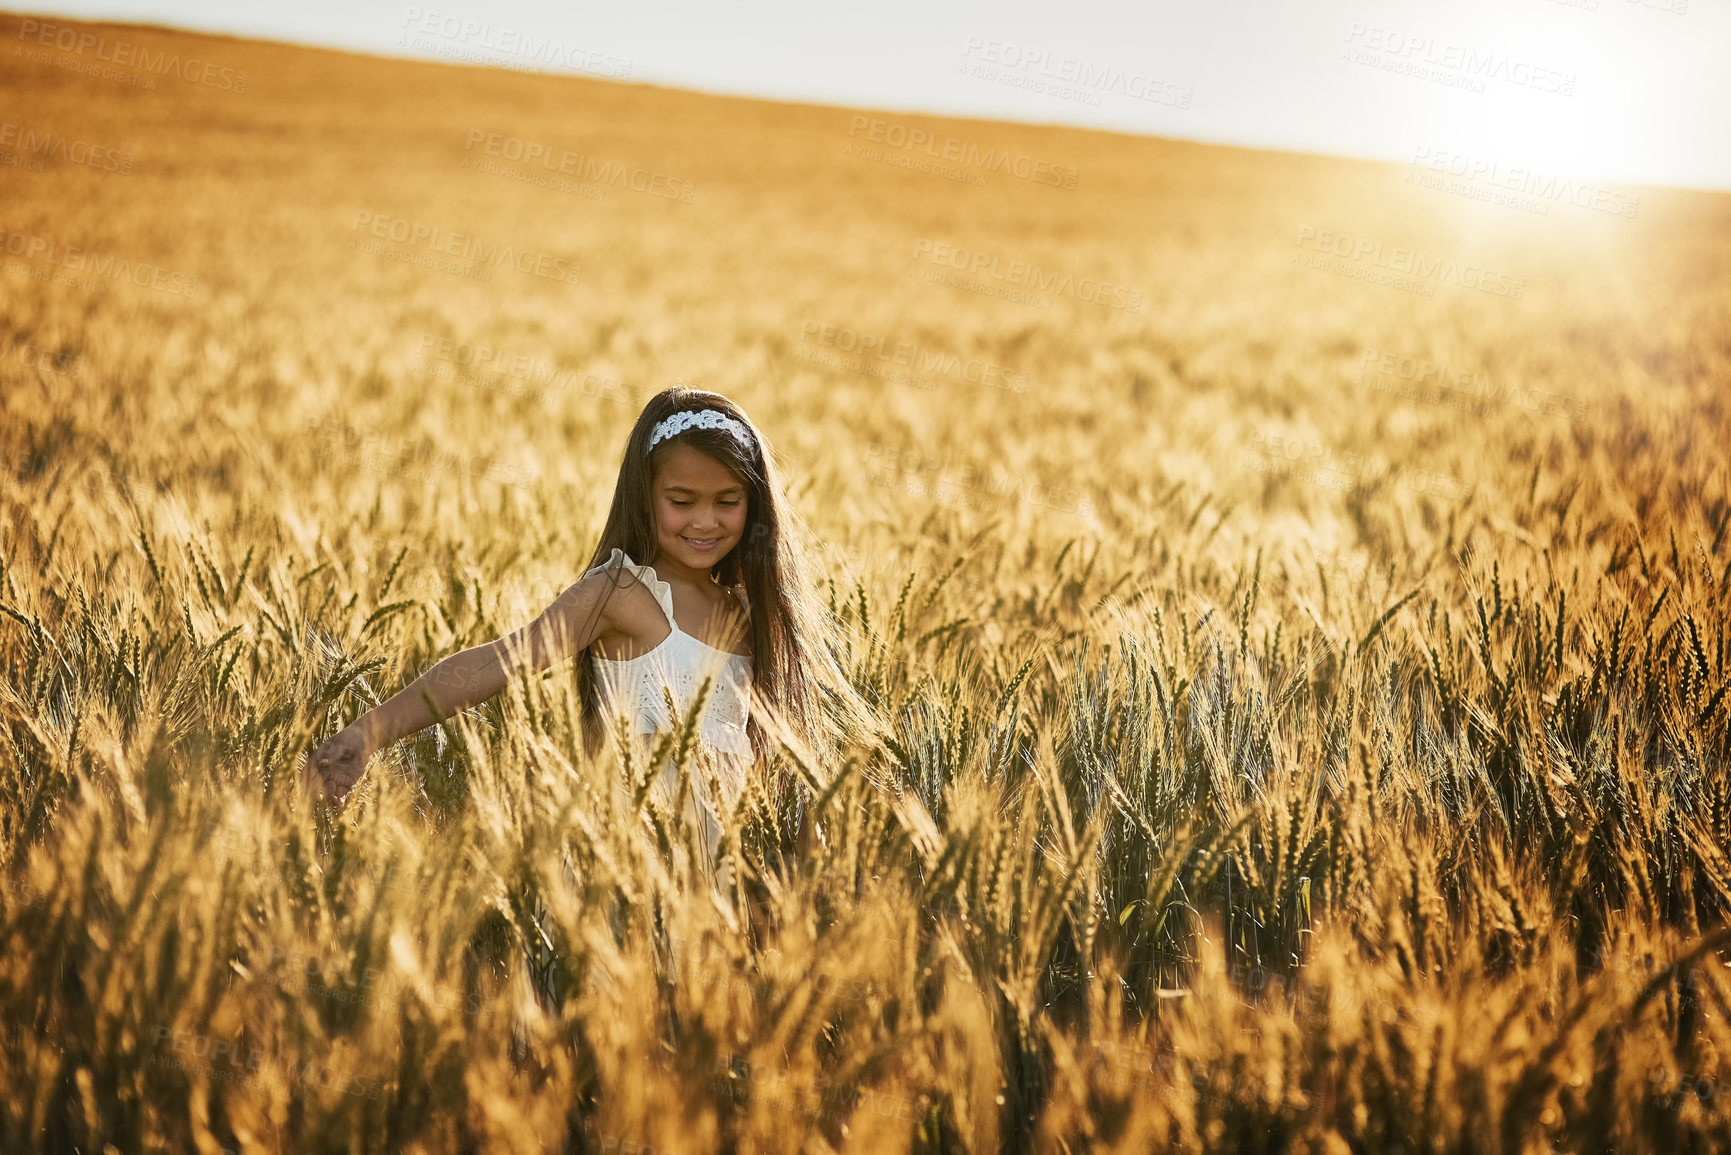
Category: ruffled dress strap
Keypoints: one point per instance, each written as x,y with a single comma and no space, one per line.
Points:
645,574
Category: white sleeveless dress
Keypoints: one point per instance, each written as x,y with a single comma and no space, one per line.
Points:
634,687
679,664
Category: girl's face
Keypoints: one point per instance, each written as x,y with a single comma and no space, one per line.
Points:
700,507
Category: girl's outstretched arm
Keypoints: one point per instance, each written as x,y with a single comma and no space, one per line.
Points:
576,618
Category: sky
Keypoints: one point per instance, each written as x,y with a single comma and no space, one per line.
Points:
1634,91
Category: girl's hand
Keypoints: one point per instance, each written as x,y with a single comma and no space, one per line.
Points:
340,762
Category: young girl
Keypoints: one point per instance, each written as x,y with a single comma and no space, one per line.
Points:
700,572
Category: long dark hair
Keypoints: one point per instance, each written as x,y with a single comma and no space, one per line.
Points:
798,687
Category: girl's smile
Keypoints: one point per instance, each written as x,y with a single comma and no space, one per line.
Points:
700,510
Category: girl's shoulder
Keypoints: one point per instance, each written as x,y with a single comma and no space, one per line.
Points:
620,562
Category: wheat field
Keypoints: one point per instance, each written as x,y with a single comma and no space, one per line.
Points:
1295,588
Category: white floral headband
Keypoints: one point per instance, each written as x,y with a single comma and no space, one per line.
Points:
700,419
